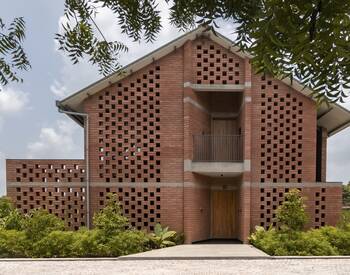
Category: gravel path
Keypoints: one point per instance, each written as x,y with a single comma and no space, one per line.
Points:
241,267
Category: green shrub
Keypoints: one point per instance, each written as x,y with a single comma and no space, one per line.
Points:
279,243
13,244
13,221
162,237
344,221
39,223
41,234
128,242
90,243
110,219
6,206
312,243
54,244
266,240
338,238
291,215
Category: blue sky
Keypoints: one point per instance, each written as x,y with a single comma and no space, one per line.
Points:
31,127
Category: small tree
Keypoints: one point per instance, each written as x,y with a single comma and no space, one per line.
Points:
110,218
291,215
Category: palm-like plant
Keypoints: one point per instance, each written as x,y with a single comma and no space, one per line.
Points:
162,236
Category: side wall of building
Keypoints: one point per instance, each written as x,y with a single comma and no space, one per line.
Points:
136,144
55,185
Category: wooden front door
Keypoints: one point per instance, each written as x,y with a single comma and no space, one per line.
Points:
223,221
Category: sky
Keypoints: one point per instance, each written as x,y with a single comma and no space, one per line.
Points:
31,126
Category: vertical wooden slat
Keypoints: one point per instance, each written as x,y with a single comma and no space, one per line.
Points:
217,148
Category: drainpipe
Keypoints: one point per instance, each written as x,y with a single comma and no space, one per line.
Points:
86,153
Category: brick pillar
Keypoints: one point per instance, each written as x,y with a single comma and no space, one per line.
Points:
324,155
187,76
246,180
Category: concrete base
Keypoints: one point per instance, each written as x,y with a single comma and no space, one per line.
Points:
200,251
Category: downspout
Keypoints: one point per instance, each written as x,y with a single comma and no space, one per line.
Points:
86,153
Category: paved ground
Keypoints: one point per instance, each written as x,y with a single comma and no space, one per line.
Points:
179,267
201,251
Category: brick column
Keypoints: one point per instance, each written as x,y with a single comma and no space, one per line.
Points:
324,155
187,77
246,180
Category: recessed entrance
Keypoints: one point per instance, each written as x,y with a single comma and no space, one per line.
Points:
223,214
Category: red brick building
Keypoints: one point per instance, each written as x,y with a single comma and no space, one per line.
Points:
190,137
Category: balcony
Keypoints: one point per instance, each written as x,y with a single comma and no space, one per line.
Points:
217,155
217,148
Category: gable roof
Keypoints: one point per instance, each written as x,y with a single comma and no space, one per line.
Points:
333,117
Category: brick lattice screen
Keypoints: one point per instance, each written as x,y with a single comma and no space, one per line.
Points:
128,130
55,185
271,197
140,204
281,134
216,65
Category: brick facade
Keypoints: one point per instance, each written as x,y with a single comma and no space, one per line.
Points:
141,147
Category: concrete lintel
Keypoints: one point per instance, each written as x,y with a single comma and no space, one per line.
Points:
95,184
215,87
214,169
296,184
46,184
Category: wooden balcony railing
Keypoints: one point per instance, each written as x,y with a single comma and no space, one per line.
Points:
218,148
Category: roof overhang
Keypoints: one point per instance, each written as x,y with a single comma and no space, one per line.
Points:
333,117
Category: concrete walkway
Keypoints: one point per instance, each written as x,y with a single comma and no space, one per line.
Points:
200,251
179,267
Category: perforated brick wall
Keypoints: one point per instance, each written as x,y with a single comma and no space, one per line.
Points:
141,205
54,185
284,133
46,171
322,204
214,64
129,130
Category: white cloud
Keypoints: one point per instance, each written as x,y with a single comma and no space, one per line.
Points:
57,142
58,89
12,102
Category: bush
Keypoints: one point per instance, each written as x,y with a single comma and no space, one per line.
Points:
110,219
290,240
54,244
344,222
338,238
13,244
291,215
128,242
5,206
41,234
90,243
13,221
266,240
279,243
40,223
